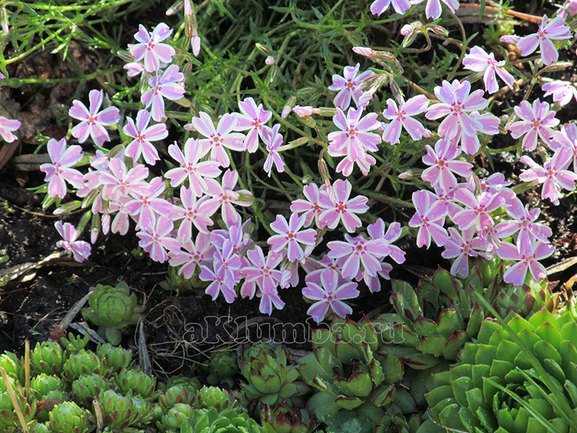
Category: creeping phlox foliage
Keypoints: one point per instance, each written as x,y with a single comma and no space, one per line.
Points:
192,216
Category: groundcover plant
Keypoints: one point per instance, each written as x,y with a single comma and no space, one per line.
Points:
258,149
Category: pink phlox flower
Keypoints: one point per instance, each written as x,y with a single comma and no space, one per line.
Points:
145,204
225,195
191,167
479,60
290,274
8,127
143,136
224,273
391,235
380,6
359,254
119,182
478,209
59,170
461,246
354,139
93,120
262,273
330,294
429,217
339,207
566,140
310,207
314,268
433,9
238,234
444,164
156,239
273,140
549,30
460,109
563,92
527,256
191,255
169,85
349,86
445,199
402,117
80,250
150,48
554,175
524,223
193,212
537,122
220,138
290,239
252,118
494,184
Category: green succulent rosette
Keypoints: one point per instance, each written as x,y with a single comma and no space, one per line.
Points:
114,358
222,367
68,417
518,377
47,357
136,382
212,397
112,309
226,421
86,388
82,363
269,377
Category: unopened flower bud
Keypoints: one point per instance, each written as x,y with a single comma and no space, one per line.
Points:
439,30
195,44
509,39
407,30
571,7
288,107
263,49
305,110
407,175
68,208
187,8
369,53
270,60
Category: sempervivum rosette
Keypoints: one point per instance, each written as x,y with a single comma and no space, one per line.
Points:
519,377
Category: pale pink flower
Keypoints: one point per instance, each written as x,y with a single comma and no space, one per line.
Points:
433,8
273,140
121,221
224,273
527,256
330,294
194,212
156,239
461,246
338,207
571,7
133,69
478,209
93,120
60,170
226,197
220,138
7,127
150,48
354,140
380,6
554,175
147,203
191,255
359,254
191,167
310,208
402,117
391,235
143,136
549,30
566,140
349,86
252,118
429,217
262,272
444,164
537,122
80,249
523,223
563,92
290,237
479,60
119,182
169,85
460,108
